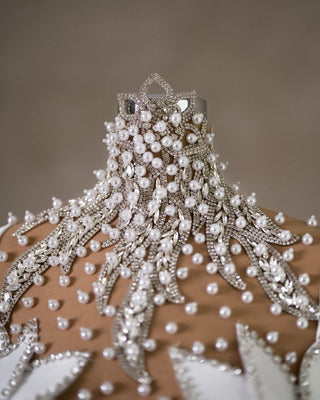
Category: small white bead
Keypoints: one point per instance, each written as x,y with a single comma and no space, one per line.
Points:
279,218
84,394
3,256
199,238
187,249
63,323
29,217
182,273
16,328
191,138
288,255
81,251
85,333
95,246
241,222
53,304
211,268
190,202
307,239
212,288
236,249
171,328
140,252
247,297
221,344
149,345
53,218
155,147
191,308
291,357
39,348
304,279
89,268
197,259
157,163
225,312
159,299
175,119
28,302
63,258
53,242
198,348
302,323
229,268
260,249
5,306
12,219
203,208
251,271
145,116
144,389
64,281
312,221
38,280
108,353
197,118
106,388
83,297
109,310
22,240
220,249
125,272
272,337
276,309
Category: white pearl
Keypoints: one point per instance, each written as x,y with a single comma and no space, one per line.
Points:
220,249
53,304
175,119
140,252
29,217
187,249
221,344
182,273
4,306
215,229
133,130
130,235
197,165
100,173
197,118
108,353
12,219
16,328
84,394
28,302
247,297
144,389
53,261
211,268
285,235
235,201
114,233
194,185
140,148
302,323
261,221
276,309
63,258
155,147
312,221
56,203
160,126
171,169
185,225
72,226
307,239
38,280
139,219
183,161
199,238
177,145
304,279
191,308
212,288
166,141
95,246
191,138
149,137
225,312
53,218
251,271
64,281
302,300
251,200
159,299
126,157
39,348
288,255
291,357
236,249
109,310
63,323
172,187
203,208
170,210
229,268
106,387
3,256
197,259
85,333
149,345
279,218
154,234
144,183
157,163
53,242
125,272
219,193
22,240
241,222
171,328
198,348
89,268
147,157
272,337
83,297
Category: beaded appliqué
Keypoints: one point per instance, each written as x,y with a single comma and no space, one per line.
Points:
162,184
44,378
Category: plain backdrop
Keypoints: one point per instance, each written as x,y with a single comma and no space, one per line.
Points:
63,62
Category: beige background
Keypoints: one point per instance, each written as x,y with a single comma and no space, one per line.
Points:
256,62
